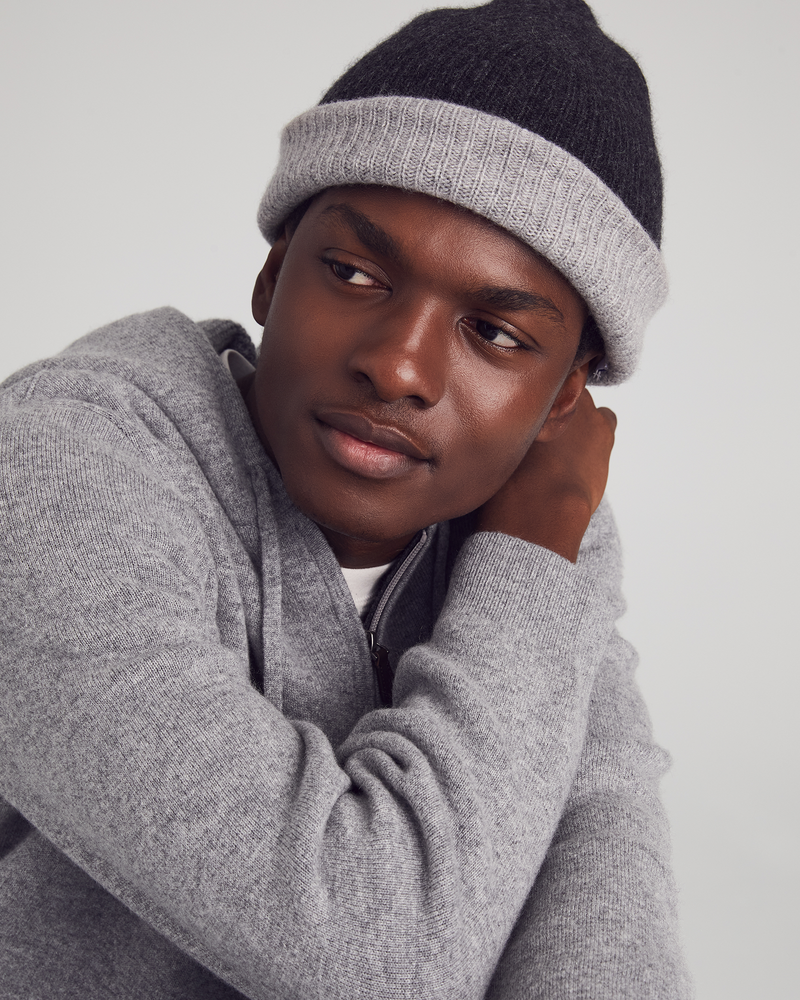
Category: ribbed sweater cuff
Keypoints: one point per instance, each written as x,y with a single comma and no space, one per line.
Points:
515,585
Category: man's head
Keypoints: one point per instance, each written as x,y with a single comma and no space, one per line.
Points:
483,170
393,318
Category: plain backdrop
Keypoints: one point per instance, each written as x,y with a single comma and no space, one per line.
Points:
137,138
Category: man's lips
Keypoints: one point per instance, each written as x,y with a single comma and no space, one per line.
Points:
367,449
363,429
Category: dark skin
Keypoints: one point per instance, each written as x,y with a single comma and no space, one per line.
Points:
418,363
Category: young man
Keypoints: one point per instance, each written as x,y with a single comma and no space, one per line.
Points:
310,680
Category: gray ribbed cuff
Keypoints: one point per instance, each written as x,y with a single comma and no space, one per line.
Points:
519,180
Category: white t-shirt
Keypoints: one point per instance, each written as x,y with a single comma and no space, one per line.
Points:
362,583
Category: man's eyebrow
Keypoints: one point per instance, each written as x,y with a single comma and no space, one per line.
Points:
518,300
369,234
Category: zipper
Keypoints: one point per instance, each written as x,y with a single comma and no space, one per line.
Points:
382,668
380,654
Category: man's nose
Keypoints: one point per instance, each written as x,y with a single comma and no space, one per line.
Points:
405,354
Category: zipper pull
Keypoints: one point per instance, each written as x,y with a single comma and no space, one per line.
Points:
382,667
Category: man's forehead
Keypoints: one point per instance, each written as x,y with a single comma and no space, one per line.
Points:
339,201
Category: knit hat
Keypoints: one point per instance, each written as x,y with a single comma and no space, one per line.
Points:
522,111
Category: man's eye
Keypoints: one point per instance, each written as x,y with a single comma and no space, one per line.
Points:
494,334
351,274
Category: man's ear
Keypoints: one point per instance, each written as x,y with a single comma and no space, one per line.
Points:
566,402
267,279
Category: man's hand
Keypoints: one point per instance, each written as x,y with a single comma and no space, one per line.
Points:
552,495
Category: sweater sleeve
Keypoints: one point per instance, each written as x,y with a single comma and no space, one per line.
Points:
393,865
600,922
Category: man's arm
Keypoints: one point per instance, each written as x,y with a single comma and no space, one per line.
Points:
600,921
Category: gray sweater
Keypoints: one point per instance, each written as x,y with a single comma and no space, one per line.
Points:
202,794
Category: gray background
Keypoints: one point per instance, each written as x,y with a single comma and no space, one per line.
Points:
138,137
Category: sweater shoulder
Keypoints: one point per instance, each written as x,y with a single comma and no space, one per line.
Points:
158,353
146,394
154,374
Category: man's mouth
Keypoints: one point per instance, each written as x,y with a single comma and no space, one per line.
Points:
367,449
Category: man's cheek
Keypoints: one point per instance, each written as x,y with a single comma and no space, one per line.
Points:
481,475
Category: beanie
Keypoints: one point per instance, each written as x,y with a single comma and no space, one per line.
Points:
522,111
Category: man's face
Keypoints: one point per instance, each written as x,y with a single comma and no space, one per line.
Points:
412,352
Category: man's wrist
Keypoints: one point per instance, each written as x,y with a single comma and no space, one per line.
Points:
559,528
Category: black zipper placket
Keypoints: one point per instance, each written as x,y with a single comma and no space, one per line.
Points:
380,654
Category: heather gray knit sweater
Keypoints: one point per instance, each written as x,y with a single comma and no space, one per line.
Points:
213,802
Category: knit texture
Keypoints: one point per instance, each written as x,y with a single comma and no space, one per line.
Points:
213,804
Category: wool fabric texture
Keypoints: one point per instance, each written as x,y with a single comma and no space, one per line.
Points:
200,795
522,111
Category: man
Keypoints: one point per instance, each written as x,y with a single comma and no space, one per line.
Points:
310,680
